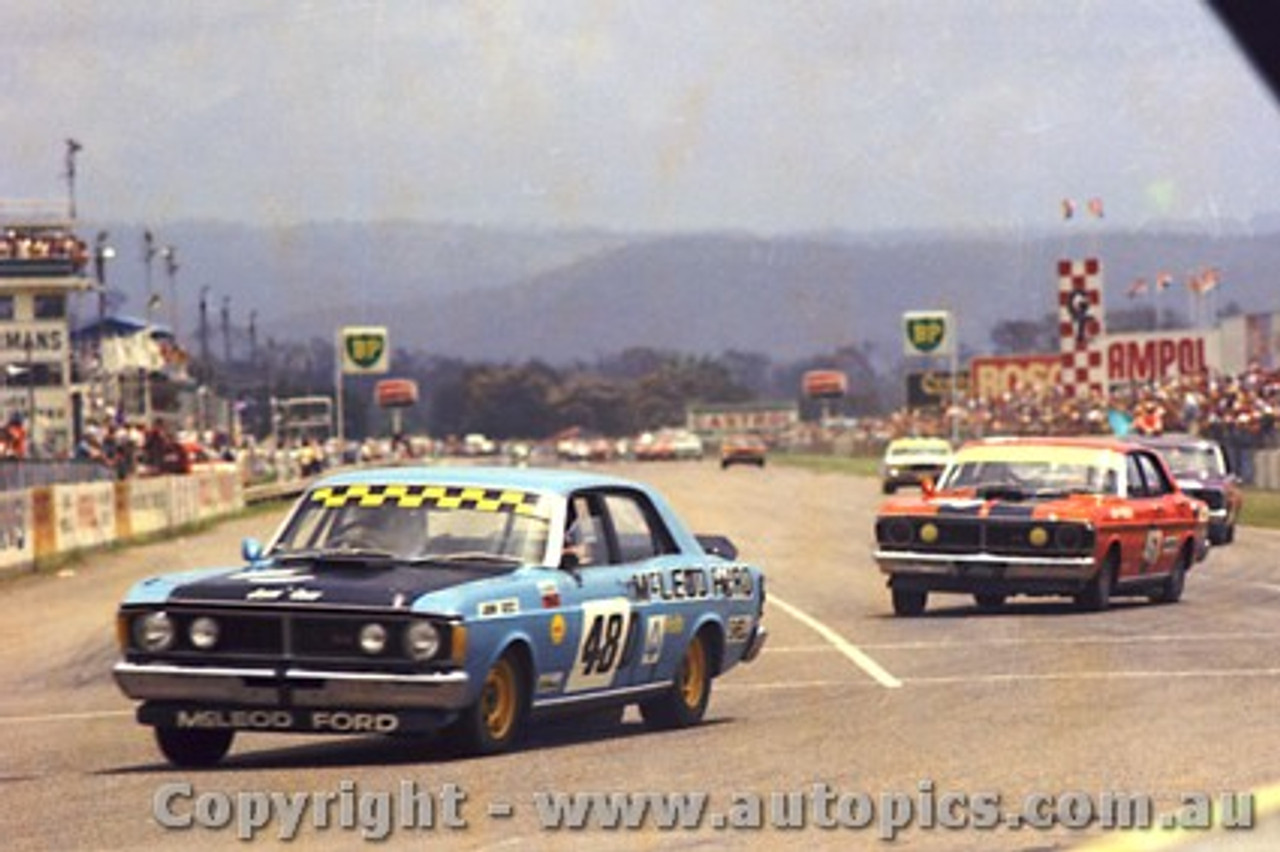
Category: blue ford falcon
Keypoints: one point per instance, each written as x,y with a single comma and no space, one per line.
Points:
461,601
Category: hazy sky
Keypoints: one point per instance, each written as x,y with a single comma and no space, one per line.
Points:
768,115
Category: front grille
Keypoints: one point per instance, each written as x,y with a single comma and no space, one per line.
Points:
272,637
947,535
1212,497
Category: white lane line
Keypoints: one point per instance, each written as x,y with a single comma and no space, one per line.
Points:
1120,675
64,717
851,651
961,644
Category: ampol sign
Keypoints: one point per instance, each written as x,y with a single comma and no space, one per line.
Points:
1159,355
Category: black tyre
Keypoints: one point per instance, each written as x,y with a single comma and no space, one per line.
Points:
684,702
1096,596
989,601
495,722
888,487
1171,591
907,602
184,747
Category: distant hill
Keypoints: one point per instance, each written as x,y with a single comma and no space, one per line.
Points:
562,296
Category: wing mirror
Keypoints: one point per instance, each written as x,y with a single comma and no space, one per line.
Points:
251,550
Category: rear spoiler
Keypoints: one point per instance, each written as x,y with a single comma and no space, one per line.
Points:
718,545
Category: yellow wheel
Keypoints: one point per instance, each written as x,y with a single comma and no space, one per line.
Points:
693,681
495,721
499,706
685,701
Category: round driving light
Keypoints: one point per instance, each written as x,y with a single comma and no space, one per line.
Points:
203,633
898,531
929,533
1039,537
1068,537
154,632
422,640
373,638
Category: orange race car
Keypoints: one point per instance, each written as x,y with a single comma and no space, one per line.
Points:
1084,517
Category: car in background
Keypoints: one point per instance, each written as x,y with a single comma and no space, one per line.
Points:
669,445
1203,471
1088,518
453,601
743,449
910,461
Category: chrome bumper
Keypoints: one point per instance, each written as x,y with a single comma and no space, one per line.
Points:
914,563
755,644
295,687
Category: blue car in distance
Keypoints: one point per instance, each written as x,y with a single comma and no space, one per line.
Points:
456,601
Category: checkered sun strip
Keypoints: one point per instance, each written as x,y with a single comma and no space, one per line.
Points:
433,496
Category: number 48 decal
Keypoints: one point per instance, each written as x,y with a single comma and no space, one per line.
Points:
606,624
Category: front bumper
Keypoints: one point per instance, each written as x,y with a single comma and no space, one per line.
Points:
292,687
981,572
755,644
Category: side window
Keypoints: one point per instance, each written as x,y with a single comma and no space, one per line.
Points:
1133,474
6,307
1157,483
584,531
639,531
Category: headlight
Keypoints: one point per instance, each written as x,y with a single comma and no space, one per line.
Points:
929,533
422,640
203,633
1039,536
898,531
1068,537
154,632
373,638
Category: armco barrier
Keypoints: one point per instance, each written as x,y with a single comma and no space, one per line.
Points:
1266,469
39,523
17,534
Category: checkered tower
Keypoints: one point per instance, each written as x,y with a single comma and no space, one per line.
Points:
1080,325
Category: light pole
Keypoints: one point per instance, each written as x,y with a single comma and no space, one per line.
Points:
204,326
253,337
101,254
226,329
170,256
148,254
73,148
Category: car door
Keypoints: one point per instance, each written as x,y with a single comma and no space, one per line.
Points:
1174,512
598,614
1158,514
1141,546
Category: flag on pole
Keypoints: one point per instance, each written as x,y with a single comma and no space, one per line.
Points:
1095,207
1137,288
1068,208
1164,281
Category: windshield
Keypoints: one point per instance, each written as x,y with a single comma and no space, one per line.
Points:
1194,461
417,523
1031,477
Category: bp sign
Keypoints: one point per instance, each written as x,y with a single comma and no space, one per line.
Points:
927,332
365,350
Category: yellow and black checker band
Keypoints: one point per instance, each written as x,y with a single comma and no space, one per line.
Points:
433,496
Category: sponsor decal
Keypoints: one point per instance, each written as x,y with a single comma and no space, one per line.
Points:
492,609
678,584
330,721
654,632
550,682
300,595
739,628
271,575
1155,357
557,629
675,623
549,592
